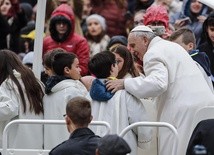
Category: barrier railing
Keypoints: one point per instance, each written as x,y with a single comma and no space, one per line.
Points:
31,121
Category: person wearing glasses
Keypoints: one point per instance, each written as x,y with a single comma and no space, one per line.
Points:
60,87
82,140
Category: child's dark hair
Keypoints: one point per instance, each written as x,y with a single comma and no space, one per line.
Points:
48,57
62,60
100,64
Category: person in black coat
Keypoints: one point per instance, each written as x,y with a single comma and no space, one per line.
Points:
203,135
16,19
4,31
208,45
82,140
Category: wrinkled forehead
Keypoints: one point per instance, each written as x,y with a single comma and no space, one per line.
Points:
132,37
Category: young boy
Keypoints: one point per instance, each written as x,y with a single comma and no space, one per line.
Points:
61,87
186,38
82,140
120,109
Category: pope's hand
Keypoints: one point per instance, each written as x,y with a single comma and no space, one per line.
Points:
115,85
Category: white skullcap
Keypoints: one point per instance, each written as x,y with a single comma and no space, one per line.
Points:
99,18
142,28
28,58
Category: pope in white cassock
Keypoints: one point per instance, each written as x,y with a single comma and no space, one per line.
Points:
173,79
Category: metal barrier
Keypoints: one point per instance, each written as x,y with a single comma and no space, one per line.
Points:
32,121
153,124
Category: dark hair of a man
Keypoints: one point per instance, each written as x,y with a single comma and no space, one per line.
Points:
78,109
53,31
187,36
62,60
100,64
128,65
48,57
9,62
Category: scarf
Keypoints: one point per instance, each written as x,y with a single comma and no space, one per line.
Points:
52,81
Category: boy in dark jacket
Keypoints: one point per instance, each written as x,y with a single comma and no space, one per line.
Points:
185,37
82,140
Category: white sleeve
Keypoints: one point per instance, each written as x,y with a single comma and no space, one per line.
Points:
138,113
155,82
8,109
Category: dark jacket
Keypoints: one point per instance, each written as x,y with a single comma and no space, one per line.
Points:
18,23
194,25
207,46
4,31
81,142
202,59
203,134
72,42
113,14
209,50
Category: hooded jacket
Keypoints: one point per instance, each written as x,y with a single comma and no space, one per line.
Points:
71,42
194,25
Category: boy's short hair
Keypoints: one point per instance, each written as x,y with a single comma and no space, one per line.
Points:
187,36
78,109
62,60
100,64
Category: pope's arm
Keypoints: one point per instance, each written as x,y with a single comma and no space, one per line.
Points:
154,83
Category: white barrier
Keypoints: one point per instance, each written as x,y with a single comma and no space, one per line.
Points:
6,151
154,124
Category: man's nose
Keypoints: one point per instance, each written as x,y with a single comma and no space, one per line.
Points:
130,49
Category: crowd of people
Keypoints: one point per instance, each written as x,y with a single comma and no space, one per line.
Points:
102,60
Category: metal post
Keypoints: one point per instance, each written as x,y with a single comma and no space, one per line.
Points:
38,44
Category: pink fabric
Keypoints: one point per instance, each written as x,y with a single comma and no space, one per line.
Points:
156,13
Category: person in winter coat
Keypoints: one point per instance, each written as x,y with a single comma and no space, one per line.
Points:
114,12
18,82
96,35
4,31
192,15
62,35
60,88
82,140
208,35
120,109
174,81
16,18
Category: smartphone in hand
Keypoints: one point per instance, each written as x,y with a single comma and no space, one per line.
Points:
185,21
158,30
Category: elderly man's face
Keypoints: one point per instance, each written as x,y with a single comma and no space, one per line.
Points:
137,45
